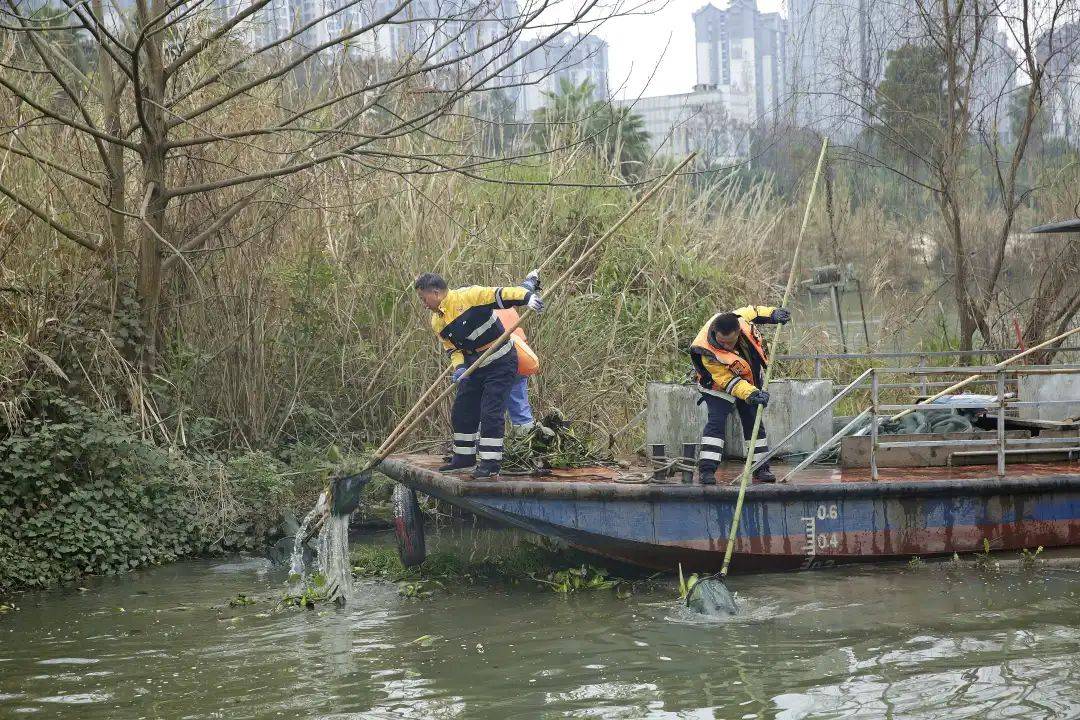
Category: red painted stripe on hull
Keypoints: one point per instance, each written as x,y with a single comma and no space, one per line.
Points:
789,552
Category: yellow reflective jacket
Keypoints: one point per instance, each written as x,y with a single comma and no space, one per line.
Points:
466,322
730,379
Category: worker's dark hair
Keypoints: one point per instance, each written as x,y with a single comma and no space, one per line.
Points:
726,323
429,281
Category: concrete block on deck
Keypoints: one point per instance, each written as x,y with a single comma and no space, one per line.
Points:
674,417
855,451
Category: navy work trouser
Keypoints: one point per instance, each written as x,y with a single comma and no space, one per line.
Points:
479,408
712,438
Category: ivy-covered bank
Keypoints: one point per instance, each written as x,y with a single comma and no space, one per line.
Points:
85,491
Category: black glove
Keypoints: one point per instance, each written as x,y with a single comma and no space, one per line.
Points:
781,316
758,397
532,281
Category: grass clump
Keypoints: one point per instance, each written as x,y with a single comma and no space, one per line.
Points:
985,562
1030,560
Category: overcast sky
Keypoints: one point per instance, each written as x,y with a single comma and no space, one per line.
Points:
660,43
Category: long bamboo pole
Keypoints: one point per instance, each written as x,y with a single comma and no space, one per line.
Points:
1000,366
403,429
405,426
730,549
422,402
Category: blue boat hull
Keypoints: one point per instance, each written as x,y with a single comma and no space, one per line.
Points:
782,527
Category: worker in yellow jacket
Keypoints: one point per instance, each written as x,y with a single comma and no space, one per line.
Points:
466,322
730,362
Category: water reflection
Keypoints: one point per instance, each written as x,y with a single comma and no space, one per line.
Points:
939,642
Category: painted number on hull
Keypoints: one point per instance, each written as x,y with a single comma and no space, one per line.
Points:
828,540
827,512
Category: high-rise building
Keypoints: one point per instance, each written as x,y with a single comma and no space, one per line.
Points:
743,52
574,58
692,122
837,53
1060,54
993,86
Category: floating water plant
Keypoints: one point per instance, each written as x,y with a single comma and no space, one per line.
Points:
574,579
986,562
551,443
241,600
1028,559
685,586
312,592
445,571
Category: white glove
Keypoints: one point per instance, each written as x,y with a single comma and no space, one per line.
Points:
532,281
536,303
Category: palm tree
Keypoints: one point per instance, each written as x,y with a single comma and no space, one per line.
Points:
572,115
625,140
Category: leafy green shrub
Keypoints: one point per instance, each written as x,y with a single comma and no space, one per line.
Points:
81,492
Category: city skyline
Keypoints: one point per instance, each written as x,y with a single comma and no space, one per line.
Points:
637,62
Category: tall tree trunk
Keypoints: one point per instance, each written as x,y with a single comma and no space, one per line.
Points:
968,324
114,170
154,200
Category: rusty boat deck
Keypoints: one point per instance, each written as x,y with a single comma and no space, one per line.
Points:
729,472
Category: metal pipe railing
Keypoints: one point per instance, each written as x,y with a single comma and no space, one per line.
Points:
1001,399
837,398
1001,423
982,370
1069,451
824,447
974,406
913,354
875,411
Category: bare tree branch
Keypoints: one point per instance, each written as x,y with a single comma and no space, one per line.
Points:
44,217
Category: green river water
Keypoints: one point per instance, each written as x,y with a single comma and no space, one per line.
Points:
870,642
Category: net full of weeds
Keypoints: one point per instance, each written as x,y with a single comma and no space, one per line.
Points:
552,443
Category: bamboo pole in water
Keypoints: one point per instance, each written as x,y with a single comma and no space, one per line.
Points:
745,476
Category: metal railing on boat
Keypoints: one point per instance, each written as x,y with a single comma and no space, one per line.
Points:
922,357
1002,445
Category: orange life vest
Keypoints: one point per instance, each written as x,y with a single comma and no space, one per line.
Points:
738,365
528,361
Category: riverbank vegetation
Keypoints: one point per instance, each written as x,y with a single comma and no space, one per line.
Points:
199,304
306,334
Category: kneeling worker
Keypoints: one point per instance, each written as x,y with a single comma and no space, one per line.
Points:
466,321
730,364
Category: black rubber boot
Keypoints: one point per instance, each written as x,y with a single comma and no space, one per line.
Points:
764,475
486,470
707,474
459,462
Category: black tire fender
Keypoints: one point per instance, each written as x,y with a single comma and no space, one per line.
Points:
408,527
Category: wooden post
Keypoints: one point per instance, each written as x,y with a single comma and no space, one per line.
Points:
835,291
862,311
